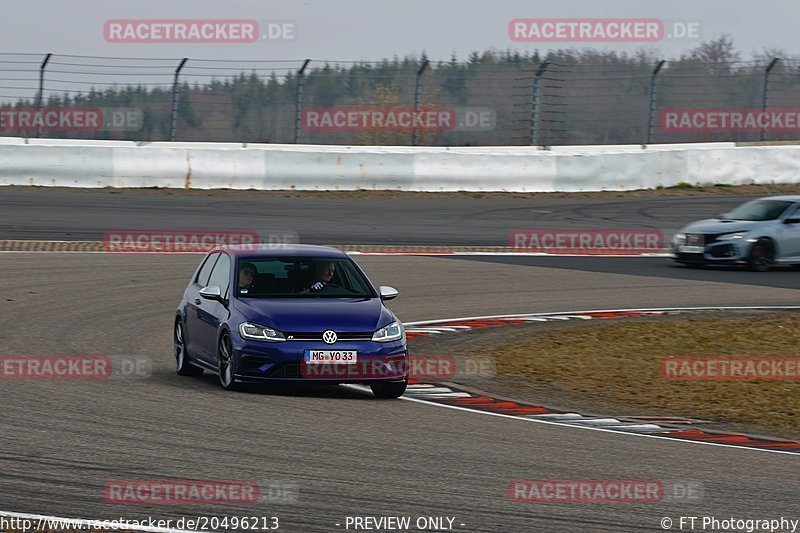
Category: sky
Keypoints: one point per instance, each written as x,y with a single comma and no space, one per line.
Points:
352,30
339,31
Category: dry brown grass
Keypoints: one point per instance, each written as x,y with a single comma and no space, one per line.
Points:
620,361
679,191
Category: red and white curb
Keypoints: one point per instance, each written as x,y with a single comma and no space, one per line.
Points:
414,329
451,325
452,397
674,428
9,245
520,254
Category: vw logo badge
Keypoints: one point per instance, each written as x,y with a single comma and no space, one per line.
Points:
329,336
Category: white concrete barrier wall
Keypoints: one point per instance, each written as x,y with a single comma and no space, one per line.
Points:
73,163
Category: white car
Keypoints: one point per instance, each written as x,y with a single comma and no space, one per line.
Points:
759,234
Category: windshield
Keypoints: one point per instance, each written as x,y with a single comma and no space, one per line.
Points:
759,210
300,277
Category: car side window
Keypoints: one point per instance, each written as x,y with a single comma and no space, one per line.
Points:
205,271
221,275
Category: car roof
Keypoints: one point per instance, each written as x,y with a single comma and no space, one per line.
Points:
281,250
788,197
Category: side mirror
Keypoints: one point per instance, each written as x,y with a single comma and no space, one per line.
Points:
388,293
211,293
791,221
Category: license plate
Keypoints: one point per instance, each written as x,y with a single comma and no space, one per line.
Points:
341,357
690,249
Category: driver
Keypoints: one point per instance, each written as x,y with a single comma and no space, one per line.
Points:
321,275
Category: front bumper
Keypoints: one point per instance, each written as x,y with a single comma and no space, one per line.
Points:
717,252
700,259
284,361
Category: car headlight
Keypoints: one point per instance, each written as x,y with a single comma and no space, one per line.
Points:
258,332
680,237
392,332
730,236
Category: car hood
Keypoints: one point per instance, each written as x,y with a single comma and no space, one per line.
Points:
715,225
317,314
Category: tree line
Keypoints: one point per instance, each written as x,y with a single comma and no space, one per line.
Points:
585,96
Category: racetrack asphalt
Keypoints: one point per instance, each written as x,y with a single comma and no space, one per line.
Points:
348,218
346,453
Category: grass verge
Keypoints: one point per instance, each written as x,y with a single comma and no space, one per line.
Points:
683,189
620,362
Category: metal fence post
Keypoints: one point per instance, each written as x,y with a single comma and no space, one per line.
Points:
298,99
537,102
417,97
765,94
651,113
40,96
173,124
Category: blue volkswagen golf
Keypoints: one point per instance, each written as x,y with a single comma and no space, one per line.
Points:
289,313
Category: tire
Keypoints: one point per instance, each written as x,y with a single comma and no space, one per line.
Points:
389,390
762,256
182,365
225,366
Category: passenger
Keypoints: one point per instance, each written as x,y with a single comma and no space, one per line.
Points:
247,276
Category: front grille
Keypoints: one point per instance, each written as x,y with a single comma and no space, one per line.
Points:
701,239
695,239
340,336
286,370
365,370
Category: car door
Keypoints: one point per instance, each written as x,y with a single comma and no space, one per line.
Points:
195,307
790,234
211,313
